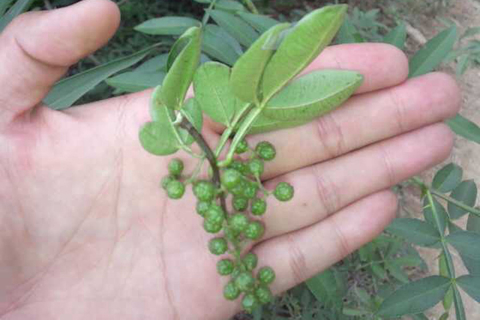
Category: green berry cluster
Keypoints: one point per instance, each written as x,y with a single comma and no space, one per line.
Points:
230,208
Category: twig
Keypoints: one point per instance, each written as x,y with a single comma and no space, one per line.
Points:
197,136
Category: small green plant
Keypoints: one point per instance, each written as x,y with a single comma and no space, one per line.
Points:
258,94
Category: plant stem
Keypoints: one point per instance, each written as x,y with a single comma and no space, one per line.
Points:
251,6
457,300
197,136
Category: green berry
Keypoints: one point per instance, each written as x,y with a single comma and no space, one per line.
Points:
215,214
245,281
225,267
283,192
239,166
166,180
175,189
263,294
218,246
238,222
250,260
238,190
239,203
259,207
231,234
242,147
249,302
256,167
266,275
212,227
231,178
230,291
204,190
254,230
202,207
175,167
265,150
250,190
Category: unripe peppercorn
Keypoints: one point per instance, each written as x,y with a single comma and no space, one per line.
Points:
239,166
225,267
202,207
231,178
283,192
259,207
256,167
250,260
245,281
166,180
175,189
242,147
249,302
254,230
175,167
230,291
239,203
266,151
212,227
263,294
266,275
218,246
204,190
238,222
250,190
215,214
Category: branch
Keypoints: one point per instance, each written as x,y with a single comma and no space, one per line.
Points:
197,136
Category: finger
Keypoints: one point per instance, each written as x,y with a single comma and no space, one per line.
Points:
37,48
325,188
300,255
363,120
381,65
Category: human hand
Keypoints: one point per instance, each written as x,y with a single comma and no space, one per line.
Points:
87,233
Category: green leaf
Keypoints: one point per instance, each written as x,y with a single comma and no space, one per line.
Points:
466,243
4,5
230,6
167,25
354,312
213,92
397,37
447,178
69,90
472,31
19,7
313,95
434,52
263,124
220,45
465,128
378,271
415,231
248,70
396,270
326,288
180,75
301,46
259,22
158,63
466,193
470,285
473,223
439,209
448,299
194,114
158,139
236,27
415,297
136,81
348,34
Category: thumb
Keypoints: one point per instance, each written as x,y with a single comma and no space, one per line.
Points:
37,48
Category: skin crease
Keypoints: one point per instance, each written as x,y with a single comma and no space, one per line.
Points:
86,231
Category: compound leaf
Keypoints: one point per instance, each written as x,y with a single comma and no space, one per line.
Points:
466,193
447,178
167,25
466,243
415,231
235,26
259,22
248,70
220,45
471,285
303,44
313,95
415,297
